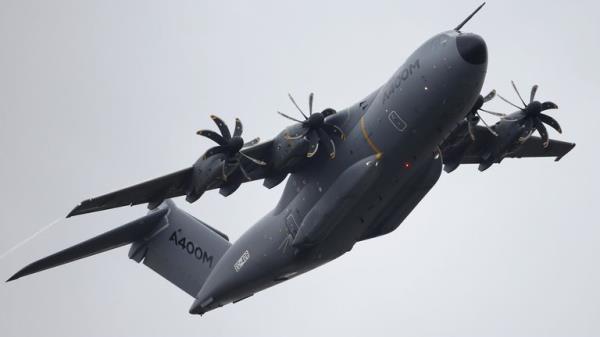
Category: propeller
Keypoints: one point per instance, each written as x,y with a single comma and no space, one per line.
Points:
473,117
230,147
532,113
315,129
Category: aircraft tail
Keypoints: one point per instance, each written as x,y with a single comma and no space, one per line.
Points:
168,240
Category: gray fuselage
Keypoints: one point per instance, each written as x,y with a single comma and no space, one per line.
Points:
387,163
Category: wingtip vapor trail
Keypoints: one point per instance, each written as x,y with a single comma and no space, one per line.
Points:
31,237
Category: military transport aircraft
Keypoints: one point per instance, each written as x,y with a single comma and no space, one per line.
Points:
354,174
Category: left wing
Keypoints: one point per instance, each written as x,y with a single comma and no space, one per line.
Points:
485,141
171,185
534,148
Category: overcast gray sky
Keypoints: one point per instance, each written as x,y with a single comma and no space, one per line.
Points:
99,95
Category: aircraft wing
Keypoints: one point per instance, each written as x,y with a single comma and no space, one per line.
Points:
169,186
533,147
155,190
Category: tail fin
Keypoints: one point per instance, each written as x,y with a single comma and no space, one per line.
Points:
168,240
184,251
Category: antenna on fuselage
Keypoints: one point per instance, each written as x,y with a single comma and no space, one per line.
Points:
468,18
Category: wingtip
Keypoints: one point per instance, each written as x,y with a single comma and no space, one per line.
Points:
12,278
560,157
79,209
72,212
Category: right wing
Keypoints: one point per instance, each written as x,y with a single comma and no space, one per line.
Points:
172,185
155,190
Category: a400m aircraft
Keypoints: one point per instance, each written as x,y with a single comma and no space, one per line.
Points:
354,174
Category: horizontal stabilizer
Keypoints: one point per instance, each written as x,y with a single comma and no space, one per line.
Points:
168,240
115,238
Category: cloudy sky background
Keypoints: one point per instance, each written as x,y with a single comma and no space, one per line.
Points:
99,95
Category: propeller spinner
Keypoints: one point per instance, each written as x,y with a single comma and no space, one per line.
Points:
229,146
473,117
532,113
315,129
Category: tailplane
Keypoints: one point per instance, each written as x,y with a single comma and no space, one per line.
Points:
174,244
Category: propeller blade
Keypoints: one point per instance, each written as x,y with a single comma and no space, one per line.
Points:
550,121
214,150
310,103
518,93
509,102
473,118
313,146
549,105
288,117
334,130
490,96
252,142
470,126
215,137
245,173
229,166
223,175
522,140
222,127
298,136
533,91
493,113
516,116
488,127
296,105
238,128
327,141
254,160
328,112
539,126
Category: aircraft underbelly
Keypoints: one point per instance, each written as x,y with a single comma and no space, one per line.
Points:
383,208
404,200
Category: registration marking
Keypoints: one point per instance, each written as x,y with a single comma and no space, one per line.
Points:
241,261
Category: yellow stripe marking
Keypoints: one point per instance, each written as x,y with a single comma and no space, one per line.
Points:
363,129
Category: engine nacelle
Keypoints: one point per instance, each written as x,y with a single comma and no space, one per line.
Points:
205,172
289,150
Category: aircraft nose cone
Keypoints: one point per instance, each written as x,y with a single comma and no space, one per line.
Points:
472,48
